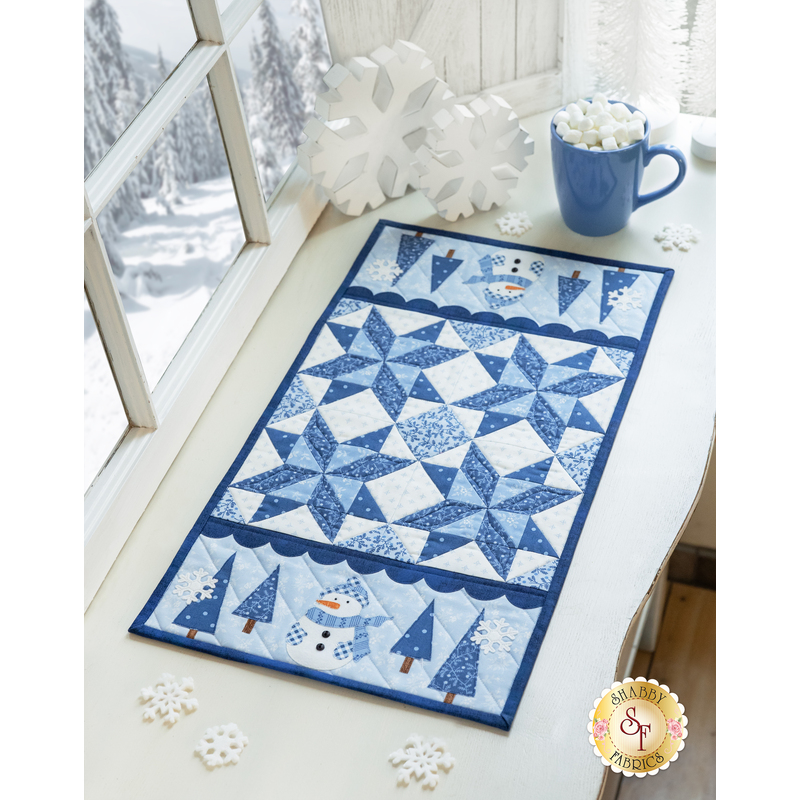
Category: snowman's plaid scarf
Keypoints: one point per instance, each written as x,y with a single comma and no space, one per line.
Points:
361,637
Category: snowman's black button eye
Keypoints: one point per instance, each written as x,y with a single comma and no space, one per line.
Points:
325,634
517,261
515,269
347,601
320,647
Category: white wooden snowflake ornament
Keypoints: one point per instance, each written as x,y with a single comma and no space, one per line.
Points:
221,745
195,586
472,157
681,237
168,697
514,223
374,117
421,759
493,632
625,299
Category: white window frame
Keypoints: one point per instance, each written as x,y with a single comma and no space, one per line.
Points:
160,421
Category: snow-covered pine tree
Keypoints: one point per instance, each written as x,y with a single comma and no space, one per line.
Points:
310,49
641,49
169,173
216,151
109,106
701,79
276,113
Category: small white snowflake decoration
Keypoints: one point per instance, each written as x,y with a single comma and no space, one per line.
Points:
514,223
625,299
383,269
493,632
168,697
681,237
221,744
422,760
195,586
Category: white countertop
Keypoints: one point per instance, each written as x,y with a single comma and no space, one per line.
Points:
308,739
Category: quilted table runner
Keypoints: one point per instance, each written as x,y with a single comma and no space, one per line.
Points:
402,518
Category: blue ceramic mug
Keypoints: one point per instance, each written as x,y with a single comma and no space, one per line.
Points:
598,192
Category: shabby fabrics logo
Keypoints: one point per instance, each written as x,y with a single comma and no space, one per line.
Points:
637,727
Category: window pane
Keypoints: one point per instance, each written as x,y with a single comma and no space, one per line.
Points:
129,47
104,419
172,231
280,57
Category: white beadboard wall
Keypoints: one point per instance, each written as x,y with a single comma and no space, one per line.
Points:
509,45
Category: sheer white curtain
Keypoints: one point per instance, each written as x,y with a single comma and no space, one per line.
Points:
652,53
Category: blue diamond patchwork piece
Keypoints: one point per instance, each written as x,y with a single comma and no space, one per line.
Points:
340,365
389,392
372,467
529,361
438,516
326,509
433,432
489,398
379,333
430,356
536,499
584,384
321,442
546,423
480,473
496,545
276,478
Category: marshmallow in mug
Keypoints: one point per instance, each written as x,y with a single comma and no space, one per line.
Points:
599,125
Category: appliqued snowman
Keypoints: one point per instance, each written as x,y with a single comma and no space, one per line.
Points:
333,633
508,274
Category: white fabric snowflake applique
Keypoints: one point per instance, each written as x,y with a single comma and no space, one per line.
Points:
493,632
383,269
422,760
681,237
221,744
194,587
168,698
514,223
625,299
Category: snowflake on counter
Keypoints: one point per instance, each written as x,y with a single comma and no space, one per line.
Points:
677,236
494,632
422,760
625,299
221,744
194,587
383,269
168,698
514,223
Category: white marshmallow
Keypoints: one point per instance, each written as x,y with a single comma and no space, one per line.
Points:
604,119
590,137
600,98
562,116
605,131
562,128
572,137
596,148
635,130
574,108
595,109
610,143
582,104
624,144
618,111
638,115
582,146
575,119
620,133
585,124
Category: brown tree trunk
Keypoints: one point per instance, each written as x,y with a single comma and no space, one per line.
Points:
450,253
248,626
407,664
576,273
418,234
449,697
192,633
621,269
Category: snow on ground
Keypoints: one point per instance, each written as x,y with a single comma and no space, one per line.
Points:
173,264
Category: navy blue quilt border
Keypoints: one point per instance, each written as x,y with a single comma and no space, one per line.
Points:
503,720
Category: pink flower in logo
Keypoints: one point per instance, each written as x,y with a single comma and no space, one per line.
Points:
600,728
674,728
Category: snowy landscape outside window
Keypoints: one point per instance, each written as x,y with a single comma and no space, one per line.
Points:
173,228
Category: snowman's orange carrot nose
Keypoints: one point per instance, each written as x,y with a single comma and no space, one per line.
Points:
515,288
329,603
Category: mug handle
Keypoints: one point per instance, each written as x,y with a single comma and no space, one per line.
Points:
650,154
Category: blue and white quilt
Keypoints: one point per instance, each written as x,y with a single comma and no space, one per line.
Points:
403,515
